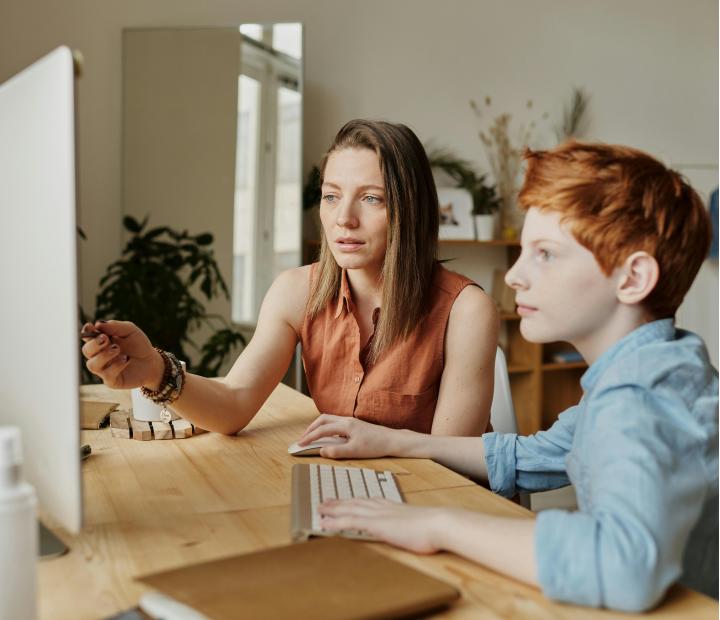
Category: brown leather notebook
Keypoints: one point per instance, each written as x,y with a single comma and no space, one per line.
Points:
323,579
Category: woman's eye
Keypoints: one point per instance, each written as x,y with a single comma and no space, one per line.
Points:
373,200
329,198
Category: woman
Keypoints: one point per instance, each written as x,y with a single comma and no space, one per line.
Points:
384,328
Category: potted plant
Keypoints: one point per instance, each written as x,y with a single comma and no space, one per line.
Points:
157,284
485,202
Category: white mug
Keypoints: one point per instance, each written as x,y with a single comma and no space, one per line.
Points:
146,410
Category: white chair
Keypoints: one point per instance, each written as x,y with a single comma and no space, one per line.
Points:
502,412
502,417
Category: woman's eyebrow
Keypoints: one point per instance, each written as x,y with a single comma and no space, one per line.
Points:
360,188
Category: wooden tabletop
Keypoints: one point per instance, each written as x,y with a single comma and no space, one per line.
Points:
156,505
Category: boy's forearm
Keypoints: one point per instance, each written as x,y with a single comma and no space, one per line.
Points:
464,455
504,544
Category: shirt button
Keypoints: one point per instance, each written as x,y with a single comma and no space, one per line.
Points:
357,379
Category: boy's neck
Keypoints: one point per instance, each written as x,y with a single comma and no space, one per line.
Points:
624,322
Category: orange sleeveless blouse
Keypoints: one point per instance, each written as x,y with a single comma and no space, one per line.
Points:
400,389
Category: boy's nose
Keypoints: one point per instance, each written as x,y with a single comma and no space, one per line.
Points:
513,277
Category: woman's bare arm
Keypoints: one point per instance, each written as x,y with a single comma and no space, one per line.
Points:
466,387
228,404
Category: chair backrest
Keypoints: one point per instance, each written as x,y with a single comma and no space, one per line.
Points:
502,412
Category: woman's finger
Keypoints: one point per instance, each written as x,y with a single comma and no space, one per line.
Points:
92,347
323,418
112,372
327,430
97,363
337,426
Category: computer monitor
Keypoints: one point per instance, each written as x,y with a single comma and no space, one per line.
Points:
39,346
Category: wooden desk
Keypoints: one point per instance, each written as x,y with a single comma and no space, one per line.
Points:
156,505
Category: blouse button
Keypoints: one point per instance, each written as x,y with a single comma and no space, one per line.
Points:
357,379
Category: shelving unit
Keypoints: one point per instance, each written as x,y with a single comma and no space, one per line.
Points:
541,388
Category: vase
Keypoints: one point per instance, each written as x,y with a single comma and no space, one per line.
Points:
485,227
512,218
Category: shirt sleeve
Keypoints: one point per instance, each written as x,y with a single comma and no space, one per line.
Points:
645,489
534,463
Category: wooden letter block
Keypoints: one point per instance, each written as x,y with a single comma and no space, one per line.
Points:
119,425
162,430
182,429
140,430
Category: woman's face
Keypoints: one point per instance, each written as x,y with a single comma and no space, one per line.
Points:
353,209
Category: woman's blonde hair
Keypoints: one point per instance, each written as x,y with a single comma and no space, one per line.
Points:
412,234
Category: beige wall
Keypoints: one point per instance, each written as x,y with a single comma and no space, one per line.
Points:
651,67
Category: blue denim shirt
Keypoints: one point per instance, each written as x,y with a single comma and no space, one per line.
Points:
641,448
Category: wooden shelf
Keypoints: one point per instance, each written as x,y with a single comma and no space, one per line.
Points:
515,369
563,365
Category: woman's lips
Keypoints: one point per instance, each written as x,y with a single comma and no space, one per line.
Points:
526,310
349,245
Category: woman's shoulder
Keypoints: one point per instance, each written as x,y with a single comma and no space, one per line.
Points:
472,304
452,282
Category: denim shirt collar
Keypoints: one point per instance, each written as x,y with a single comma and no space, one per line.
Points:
655,331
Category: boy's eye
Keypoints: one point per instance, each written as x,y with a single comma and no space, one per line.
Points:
545,255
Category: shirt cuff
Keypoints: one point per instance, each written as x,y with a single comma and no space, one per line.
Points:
566,559
500,462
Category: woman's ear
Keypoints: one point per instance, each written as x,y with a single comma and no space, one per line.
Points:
639,276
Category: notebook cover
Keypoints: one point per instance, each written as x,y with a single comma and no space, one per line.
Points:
323,579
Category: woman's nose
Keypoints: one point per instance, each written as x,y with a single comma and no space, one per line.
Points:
346,217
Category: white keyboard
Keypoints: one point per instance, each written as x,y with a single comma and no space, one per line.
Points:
314,483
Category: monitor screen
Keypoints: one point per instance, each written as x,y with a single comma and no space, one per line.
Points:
39,360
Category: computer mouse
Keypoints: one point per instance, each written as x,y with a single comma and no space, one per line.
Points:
313,449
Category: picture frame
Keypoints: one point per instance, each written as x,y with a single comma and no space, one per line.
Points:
456,220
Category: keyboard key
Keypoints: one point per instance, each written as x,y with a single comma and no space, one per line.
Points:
371,482
390,490
342,483
327,483
356,480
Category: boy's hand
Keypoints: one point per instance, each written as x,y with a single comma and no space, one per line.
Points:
409,527
364,440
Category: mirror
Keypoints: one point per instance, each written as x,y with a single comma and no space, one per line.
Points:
212,142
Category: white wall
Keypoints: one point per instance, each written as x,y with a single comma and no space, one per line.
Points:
651,67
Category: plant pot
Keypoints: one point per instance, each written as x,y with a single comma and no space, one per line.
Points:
484,227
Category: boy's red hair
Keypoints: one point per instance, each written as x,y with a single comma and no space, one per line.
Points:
618,200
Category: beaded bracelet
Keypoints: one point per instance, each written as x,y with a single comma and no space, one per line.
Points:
172,383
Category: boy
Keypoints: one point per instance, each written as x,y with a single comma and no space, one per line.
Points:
611,243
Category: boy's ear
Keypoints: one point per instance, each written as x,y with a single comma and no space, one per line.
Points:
639,275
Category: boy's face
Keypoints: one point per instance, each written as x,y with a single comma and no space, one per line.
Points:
560,290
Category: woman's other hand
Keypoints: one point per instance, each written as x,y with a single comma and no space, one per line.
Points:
364,440
409,527
122,355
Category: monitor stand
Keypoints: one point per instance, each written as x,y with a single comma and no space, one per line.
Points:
50,546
